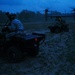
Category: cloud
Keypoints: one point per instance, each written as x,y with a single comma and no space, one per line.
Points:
10,2
39,4
36,5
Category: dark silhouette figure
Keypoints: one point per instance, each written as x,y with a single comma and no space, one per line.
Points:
46,14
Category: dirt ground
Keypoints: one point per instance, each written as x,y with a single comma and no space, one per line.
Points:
56,56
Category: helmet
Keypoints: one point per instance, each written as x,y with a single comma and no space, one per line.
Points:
11,16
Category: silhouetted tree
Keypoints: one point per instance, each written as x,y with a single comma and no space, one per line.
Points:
26,15
46,14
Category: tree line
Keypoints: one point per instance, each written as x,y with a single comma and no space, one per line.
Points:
24,16
30,16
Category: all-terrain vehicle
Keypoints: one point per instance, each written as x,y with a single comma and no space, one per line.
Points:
57,29
60,26
15,47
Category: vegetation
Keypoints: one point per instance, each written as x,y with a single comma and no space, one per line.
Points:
30,16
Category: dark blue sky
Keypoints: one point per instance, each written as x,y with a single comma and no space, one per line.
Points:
36,5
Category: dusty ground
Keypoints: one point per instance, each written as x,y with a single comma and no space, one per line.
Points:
56,57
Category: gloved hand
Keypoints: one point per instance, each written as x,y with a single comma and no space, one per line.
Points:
5,29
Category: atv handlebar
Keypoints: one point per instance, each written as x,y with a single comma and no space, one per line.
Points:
5,29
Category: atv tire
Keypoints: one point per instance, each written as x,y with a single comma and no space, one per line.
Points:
13,53
56,29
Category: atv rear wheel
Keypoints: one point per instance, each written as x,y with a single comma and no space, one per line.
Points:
14,54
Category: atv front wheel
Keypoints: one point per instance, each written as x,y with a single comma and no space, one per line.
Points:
57,30
33,51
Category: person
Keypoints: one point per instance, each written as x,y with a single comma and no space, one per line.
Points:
59,21
14,25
